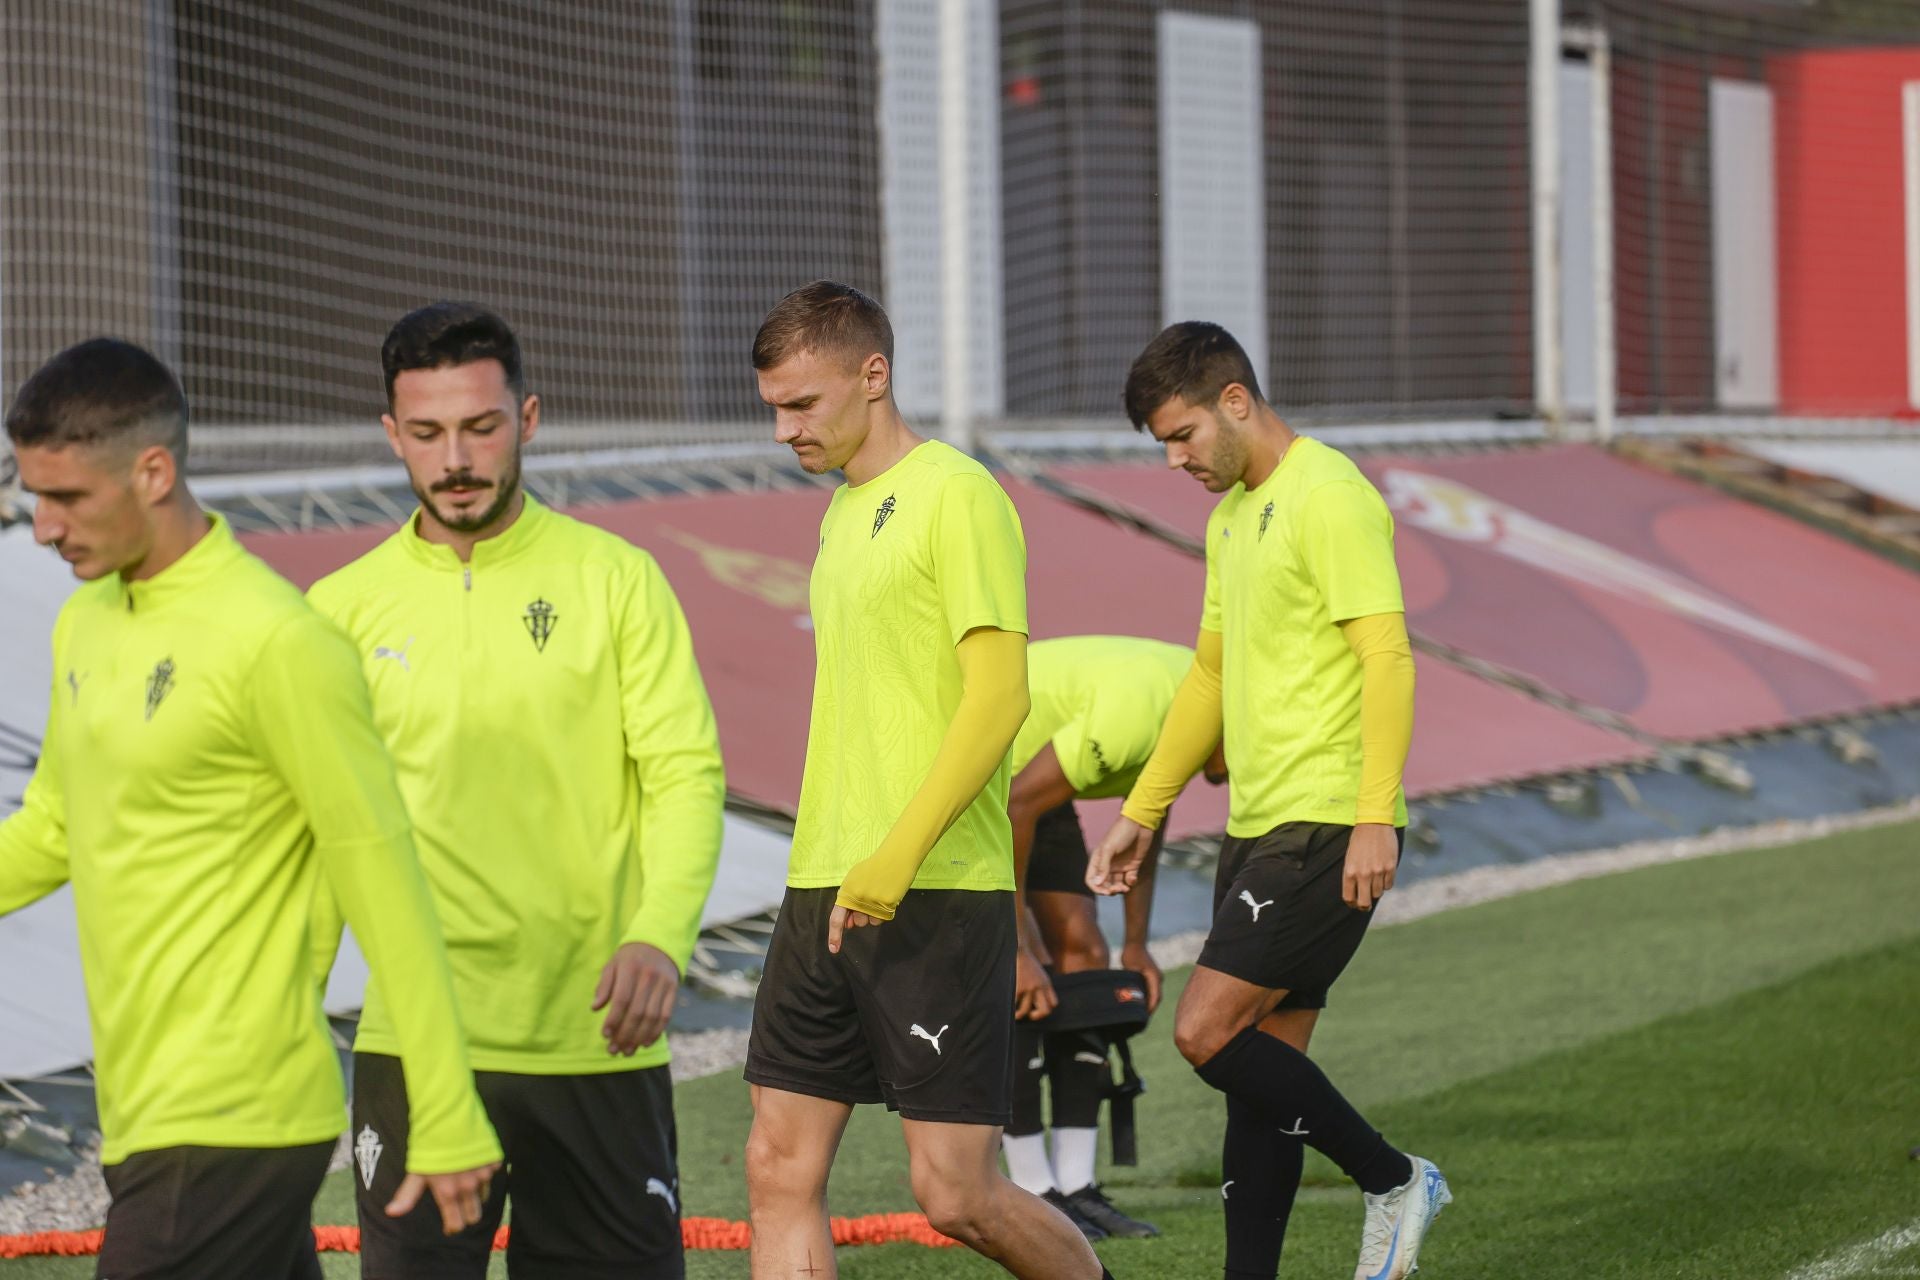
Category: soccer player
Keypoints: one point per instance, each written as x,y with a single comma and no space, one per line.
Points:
535,681
1303,658
889,977
1097,706
210,760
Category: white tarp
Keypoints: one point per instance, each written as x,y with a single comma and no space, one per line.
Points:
1890,469
43,1011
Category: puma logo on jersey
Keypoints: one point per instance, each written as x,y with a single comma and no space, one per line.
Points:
398,655
366,1153
655,1187
933,1038
1246,896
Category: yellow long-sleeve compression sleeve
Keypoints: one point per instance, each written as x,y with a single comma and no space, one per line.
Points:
1187,738
993,705
1386,709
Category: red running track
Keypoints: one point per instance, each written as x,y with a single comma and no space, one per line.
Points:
1691,613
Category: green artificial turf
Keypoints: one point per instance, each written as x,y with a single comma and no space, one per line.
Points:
1697,1070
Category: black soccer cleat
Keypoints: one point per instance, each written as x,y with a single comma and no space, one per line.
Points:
1088,1227
1093,1205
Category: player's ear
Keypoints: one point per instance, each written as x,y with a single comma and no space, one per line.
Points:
1235,400
529,418
393,435
877,375
155,475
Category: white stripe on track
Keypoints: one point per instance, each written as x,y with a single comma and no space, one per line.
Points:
1864,1259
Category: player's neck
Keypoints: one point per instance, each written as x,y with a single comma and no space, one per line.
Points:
178,526
463,543
888,440
1268,439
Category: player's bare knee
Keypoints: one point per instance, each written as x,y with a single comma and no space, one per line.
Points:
1198,1037
955,1211
778,1169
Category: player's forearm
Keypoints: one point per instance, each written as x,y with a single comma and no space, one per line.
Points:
1187,738
1139,901
993,706
1386,710
33,859
680,837
383,895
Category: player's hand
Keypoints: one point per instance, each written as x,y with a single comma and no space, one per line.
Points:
842,920
638,989
1135,956
1032,989
461,1196
1114,866
1373,853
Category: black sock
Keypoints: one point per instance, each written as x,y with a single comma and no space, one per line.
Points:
1026,1080
1078,1077
1260,1172
1296,1095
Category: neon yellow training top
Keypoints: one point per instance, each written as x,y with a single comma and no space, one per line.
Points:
1100,701
909,563
556,748
210,757
1287,563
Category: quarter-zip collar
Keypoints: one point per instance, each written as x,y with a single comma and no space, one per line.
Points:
202,561
502,548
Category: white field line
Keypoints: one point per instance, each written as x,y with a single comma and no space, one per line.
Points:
1864,1259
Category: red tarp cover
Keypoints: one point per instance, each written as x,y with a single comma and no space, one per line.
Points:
1692,613
739,563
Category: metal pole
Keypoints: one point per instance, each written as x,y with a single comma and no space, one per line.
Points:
956,231
1600,62
1543,83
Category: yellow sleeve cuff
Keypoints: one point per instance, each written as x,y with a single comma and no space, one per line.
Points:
1380,642
993,706
1187,738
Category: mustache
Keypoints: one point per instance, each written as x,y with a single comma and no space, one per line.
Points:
447,484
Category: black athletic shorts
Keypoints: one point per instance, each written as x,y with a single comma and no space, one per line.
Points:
213,1213
1057,863
591,1168
1278,918
916,1012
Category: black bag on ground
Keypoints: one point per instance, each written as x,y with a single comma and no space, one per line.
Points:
1112,1002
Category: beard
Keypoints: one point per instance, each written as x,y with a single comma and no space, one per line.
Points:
480,519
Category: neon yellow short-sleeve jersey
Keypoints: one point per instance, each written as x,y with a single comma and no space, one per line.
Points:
1100,701
556,748
1287,562
908,563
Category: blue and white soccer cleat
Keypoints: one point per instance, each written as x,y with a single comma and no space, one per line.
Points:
1398,1221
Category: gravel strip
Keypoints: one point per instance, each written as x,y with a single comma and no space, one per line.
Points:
79,1200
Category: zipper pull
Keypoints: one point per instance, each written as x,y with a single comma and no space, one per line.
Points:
468,573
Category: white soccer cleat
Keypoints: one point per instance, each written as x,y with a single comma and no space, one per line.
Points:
1398,1221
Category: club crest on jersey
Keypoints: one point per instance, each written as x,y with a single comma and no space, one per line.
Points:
366,1153
1266,518
159,685
540,618
880,515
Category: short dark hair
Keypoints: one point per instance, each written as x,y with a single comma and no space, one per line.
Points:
444,334
101,391
1194,360
824,316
